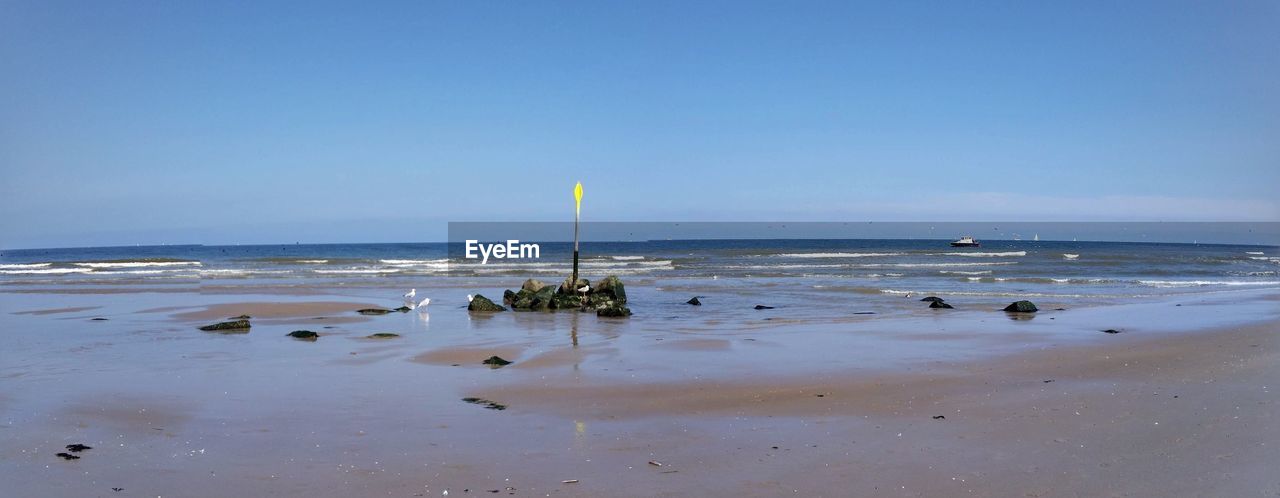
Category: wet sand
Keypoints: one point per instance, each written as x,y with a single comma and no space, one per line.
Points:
1181,403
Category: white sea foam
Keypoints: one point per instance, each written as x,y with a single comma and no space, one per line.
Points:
313,261
986,254
839,254
409,262
140,272
1259,253
137,264
627,258
1070,256
21,266
961,272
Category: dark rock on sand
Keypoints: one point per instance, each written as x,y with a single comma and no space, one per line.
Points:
382,335
492,405
939,417
940,305
67,456
373,311
509,298
694,301
98,319
76,448
615,311
1021,307
403,309
495,362
864,312
231,325
483,304
932,299
305,335
1111,331
763,307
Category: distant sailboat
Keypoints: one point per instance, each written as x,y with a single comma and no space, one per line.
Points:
1036,238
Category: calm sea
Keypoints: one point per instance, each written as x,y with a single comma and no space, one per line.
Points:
1099,270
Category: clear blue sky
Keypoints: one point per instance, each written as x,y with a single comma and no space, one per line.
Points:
222,122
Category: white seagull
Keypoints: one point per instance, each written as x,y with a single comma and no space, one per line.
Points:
470,297
422,306
408,297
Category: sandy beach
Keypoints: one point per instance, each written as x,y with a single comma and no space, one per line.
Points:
689,402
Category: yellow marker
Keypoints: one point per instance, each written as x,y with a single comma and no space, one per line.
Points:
577,209
577,197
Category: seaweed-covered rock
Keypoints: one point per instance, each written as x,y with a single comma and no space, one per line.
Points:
615,311
940,305
611,287
571,288
541,300
509,298
694,301
763,307
382,335
566,302
233,325
305,335
932,299
532,285
481,303
495,362
373,311
1021,307
403,309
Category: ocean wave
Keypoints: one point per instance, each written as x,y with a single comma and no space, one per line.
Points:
358,271
626,258
408,262
24,266
313,261
935,265
986,254
839,254
961,272
47,271
232,272
186,272
1256,253
135,264
1203,283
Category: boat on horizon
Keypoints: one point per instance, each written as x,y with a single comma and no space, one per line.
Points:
966,241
